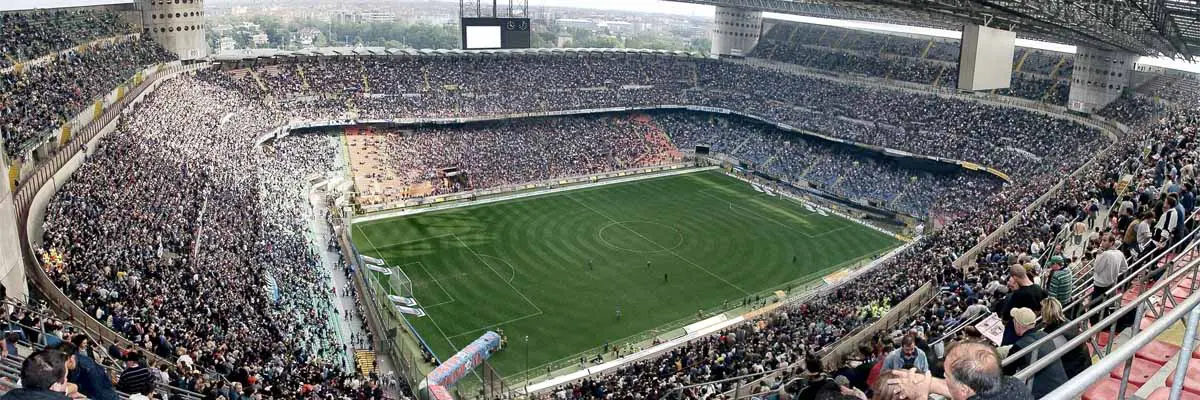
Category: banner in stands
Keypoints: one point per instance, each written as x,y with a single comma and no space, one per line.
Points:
464,361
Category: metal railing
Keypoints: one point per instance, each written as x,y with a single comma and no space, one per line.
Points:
1126,352
1137,272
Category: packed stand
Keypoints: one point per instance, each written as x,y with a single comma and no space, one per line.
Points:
29,35
182,272
140,257
835,168
1043,76
41,97
507,153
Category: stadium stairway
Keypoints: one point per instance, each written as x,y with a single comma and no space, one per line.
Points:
365,360
1152,365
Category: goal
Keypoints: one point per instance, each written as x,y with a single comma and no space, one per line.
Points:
400,283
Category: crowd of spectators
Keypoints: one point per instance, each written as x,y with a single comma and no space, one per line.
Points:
29,35
514,152
1013,141
1042,75
38,98
143,251
909,187
176,250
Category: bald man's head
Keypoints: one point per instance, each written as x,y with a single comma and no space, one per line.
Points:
972,368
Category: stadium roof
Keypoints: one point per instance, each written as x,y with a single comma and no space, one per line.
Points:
249,54
1148,27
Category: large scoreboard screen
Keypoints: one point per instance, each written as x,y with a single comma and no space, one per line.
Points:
495,33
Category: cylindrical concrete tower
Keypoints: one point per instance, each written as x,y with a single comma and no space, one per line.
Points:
12,271
1098,78
736,31
178,25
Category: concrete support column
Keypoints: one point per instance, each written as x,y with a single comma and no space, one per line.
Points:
12,272
736,31
178,25
1098,78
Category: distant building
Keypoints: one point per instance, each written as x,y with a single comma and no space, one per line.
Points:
361,17
226,44
617,26
564,41
305,37
259,39
575,23
222,29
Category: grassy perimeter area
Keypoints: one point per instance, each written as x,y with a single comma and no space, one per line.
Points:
557,267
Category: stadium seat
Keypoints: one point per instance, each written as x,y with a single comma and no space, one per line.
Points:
1139,373
1181,291
1131,294
1158,352
1163,393
1192,381
1106,389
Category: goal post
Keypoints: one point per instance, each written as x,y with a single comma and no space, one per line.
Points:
400,283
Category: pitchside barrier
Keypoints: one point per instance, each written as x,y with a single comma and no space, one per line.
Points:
389,327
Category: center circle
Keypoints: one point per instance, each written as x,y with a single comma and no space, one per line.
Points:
643,237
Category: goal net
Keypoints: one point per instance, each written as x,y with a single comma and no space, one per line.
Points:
401,285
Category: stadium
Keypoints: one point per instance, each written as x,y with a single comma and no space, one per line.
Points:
831,200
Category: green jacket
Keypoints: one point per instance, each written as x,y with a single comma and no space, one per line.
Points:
1060,285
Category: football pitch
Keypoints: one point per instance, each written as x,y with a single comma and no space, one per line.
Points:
558,267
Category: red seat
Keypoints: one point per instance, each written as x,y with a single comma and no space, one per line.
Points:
1158,352
1102,338
1107,389
1139,372
1181,292
1146,321
1130,295
1191,382
1163,393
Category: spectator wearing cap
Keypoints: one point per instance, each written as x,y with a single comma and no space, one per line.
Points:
1050,377
43,377
1060,282
136,376
908,356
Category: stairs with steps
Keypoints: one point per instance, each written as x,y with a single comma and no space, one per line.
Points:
1153,366
365,360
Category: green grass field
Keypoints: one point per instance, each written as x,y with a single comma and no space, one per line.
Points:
523,265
